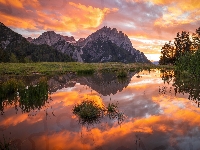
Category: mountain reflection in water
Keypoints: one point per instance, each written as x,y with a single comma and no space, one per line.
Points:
158,117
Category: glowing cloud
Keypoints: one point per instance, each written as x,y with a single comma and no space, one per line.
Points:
74,17
16,3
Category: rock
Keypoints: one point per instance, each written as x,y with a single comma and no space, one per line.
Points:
50,38
107,45
14,44
29,39
104,45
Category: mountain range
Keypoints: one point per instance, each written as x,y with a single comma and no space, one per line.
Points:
15,48
104,45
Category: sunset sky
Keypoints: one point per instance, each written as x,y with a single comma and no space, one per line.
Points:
148,23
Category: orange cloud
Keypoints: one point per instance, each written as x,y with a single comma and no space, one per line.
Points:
73,97
74,17
17,22
89,16
14,120
16,3
184,5
178,12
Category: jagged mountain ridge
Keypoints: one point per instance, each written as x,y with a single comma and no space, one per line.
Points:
104,45
50,38
62,43
117,40
15,48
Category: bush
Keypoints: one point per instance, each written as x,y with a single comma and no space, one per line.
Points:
89,112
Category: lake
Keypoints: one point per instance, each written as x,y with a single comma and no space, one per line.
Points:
161,112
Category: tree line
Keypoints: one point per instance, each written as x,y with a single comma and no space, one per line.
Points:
25,52
184,44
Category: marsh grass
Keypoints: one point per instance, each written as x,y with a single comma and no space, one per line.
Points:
53,68
89,112
9,89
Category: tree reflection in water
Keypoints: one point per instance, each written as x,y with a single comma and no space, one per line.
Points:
15,92
182,83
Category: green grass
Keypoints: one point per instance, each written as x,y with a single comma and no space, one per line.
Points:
89,112
122,73
51,68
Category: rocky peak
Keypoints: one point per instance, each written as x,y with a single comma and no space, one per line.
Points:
69,39
81,42
1,24
29,39
106,33
81,39
101,44
50,38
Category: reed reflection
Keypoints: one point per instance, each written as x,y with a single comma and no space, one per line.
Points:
27,97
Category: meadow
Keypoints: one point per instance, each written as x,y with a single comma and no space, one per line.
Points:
51,68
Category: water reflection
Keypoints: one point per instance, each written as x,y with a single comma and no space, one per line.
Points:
183,83
34,96
154,120
104,83
15,93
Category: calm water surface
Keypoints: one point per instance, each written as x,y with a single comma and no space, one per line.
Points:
157,117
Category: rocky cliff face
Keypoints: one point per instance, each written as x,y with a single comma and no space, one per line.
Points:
62,43
29,39
104,45
50,38
107,45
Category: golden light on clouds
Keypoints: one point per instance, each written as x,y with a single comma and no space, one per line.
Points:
173,18
13,120
82,17
177,12
143,19
16,3
73,97
89,16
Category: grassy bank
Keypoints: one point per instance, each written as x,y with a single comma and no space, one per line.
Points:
49,68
